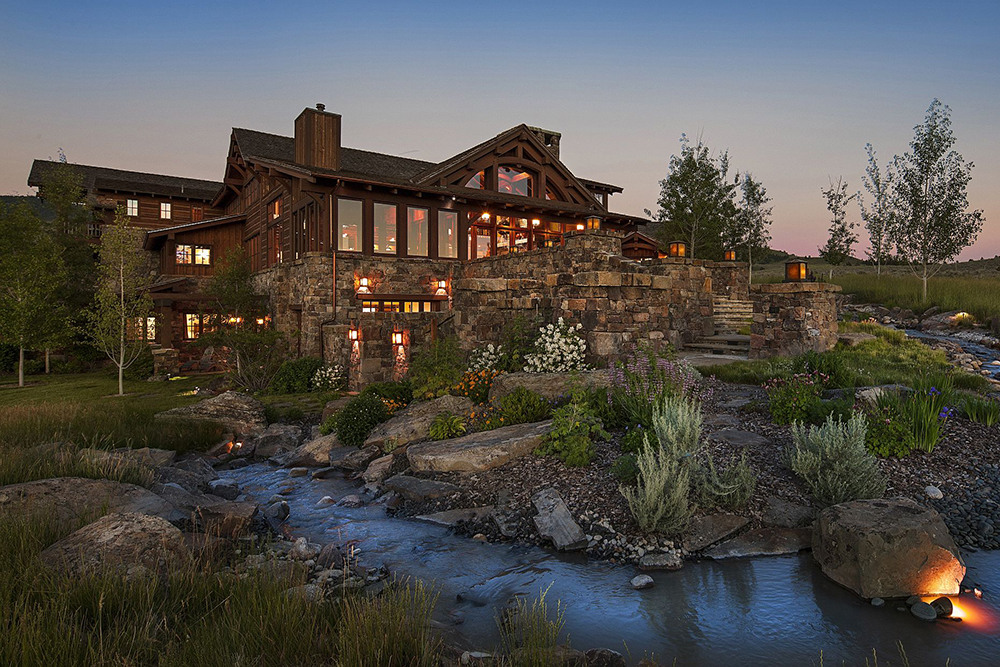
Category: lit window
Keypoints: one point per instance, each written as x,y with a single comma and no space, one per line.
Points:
447,234
132,208
192,326
520,241
202,255
184,254
385,229
349,212
164,210
416,231
480,242
276,245
477,182
150,328
514,182
197,214
274,208
503,241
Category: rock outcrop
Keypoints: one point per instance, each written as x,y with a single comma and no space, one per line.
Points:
314,453
71,500
478,451
413,423
887,548
239,413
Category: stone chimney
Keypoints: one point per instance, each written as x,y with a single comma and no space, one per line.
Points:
549,138
317,138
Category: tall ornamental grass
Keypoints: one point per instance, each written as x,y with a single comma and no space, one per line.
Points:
979,296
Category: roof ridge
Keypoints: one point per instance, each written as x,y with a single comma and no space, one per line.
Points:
130,171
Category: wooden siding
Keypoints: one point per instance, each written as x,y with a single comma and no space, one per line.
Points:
220,239
149,209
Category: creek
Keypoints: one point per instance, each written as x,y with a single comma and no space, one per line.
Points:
763,611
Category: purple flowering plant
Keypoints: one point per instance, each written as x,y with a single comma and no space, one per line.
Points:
644,376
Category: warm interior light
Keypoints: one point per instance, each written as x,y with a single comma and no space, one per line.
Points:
579,227
485,216
678,249
536,222
796,271
730,255
442,288
353,333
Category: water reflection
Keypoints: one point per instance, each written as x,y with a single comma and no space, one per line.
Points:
778,610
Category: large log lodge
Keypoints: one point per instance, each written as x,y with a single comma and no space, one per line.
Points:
354,245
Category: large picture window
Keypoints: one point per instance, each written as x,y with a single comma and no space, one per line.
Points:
385,229
192,325
349,218
514,182
448,234
417,229
480,242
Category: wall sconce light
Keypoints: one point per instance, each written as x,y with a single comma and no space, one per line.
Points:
796,271
397,337
485,216
353,334
364,286
593,222
579,227
536,222
442,288
730,255
678,249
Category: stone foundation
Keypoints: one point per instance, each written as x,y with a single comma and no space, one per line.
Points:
792,318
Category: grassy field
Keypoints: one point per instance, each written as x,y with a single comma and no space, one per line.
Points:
84,409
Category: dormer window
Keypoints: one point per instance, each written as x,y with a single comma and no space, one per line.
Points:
515,182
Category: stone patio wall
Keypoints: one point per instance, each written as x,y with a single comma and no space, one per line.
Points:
793,318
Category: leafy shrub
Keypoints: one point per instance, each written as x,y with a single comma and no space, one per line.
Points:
830,365
677,424
330,378
446,426
275,414
889,432
400,393
140,369
795,399
486,418
659,502
634,440
476,385
646,375
436,368
488,358
295,376
558,349
355,421
838,408
981,410
523,406
625,469
833,463
574,427
731,489
518,341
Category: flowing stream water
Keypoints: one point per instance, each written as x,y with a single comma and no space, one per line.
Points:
763,611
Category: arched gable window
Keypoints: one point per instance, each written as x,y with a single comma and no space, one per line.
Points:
515,182
478,181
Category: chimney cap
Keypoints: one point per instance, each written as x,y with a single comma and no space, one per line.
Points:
320,107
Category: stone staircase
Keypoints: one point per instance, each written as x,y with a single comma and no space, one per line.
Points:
730,315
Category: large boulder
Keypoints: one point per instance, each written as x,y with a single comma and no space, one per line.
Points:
478,451
357,459
313,454
72,500
550,386
128,544
413,422
276,440
226,519
887,548
417,489
555,522
705,531
239,413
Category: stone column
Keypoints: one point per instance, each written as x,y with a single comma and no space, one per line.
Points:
792,318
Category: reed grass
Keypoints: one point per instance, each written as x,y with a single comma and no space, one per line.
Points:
979,296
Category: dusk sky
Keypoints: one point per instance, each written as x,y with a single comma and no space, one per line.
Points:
792,90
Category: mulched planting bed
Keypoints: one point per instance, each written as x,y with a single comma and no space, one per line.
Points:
965,466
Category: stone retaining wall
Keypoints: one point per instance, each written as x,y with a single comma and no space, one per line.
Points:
793,318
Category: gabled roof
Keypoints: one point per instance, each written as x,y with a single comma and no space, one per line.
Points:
104,178
154,235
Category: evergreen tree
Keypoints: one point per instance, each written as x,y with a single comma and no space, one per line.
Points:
749,229
931,193
842,237
31,277
880,215
122,302
696,200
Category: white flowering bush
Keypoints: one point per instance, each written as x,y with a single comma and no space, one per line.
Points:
330,378
559,348
486,358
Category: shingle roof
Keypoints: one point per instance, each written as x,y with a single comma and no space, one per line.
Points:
104,178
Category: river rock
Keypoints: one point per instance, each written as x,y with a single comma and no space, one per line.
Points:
785,514
314,453
413,422
226,488
887,548
555,522
452,518
191,481
550,386
128,543
358,459
739,438
722,420
239,413
274,441
924,611
417,490
943,607
185,502
378,470
641,581
71,500
278,511
933,492
705,531
870,395
478,451
767,541
604,657
668,560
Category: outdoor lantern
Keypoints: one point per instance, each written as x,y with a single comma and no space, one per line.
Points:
678,249
593,222
353,334
364,286
442,288
730,255
579,227
796,271
397,337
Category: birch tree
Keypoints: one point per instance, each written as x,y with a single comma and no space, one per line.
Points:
842,237
880,214
122,302
935,223
749,228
